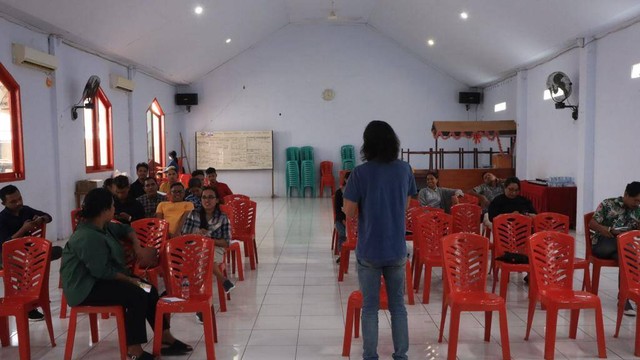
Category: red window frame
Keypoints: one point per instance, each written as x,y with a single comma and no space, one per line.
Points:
160,114
16,127
96,141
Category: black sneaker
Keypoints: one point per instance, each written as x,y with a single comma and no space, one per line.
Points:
35,315
526,279
338,260
199,318
228,286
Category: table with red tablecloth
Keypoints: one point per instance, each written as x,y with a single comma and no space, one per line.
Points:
560,200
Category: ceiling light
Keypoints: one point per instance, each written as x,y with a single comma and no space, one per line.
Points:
464,15
198,10
228,41
431,42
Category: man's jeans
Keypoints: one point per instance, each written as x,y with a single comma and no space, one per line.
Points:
394,277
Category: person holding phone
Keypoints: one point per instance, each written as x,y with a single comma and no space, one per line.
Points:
612,217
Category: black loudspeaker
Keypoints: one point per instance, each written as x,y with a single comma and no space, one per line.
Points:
469,98
187,99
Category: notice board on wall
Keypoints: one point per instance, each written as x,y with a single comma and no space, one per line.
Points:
234,150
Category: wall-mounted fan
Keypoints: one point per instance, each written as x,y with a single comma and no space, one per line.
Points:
559,86
90,91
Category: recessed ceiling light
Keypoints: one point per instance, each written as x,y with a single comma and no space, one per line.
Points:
228,41
431,42
464,15
198,10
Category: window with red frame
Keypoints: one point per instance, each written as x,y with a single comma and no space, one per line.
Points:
11,151
155,136
98,135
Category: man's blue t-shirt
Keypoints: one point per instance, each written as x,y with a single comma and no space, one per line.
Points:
381,191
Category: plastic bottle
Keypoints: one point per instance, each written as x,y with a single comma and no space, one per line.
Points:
185,287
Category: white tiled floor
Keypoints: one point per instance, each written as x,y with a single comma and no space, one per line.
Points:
292,307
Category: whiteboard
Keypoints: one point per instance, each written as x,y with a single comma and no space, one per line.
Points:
234,150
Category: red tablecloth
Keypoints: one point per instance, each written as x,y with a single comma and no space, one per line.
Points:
560,200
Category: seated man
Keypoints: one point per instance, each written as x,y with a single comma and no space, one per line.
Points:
151,198
198,174
172,176
109,185
612,217
438,197
195,192
489,189
18,220
137,187
341,218
511,201
127,208
176,210
222,188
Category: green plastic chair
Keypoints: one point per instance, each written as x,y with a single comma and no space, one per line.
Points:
348,164
306,153
293,154
293,177
347,152
308,173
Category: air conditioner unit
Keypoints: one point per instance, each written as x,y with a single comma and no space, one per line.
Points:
122,83
23,55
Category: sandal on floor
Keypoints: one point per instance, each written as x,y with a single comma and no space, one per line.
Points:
177,348
144,356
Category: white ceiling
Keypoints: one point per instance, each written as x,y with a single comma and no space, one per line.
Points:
166,38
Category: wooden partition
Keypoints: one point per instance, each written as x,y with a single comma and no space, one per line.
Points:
464,179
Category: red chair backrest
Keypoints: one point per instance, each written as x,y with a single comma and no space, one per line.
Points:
40,232
428,230
243,220
468,199
551,256
75,219
549,221
352,229
429,208
184,179
413,212
466,218
232,197
629,259
587,234
191,256
26,266
326,168
413,203
151,232
510,233
465,260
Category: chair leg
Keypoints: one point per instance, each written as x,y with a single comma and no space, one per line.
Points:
417,274
622,298
63,307
504,334
4,331
157,329
443,318
504,281
122,338
550,333
454,327
573,323
221,296
93,325
348,330
238,259
46,308
24,342
208,334
487,325
636,351
595,281
356,324
71,334
532,310
586,280
427,284
496,269
255,250
602,348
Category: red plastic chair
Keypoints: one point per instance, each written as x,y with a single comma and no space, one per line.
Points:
468,199
234,253
342,174
597,262
465,257
184,179
549,221
152,233
413,203
191,256
75,220
222,295
26,287
510,233
629,250
243,227
232,197
92,311
551,256
326,177
429,229
348,246
412,213
466,218
352,323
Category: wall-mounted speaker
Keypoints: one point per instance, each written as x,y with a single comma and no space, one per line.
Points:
469,98
187,99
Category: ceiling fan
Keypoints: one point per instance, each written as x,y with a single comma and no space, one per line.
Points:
334,17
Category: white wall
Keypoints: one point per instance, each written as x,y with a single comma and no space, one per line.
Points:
283,79
54,143
504,91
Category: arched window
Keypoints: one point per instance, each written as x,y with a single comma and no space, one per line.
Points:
98,135
155,136
11,151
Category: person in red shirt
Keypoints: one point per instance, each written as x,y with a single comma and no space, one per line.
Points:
222,188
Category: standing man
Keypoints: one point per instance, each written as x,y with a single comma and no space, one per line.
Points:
380,189
127,208
137,188
222,188
18,220
151,198
613,217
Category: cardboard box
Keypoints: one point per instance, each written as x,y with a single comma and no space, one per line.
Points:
84,186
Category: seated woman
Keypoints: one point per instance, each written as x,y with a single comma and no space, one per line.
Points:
511,201
94,272
438,197
210,221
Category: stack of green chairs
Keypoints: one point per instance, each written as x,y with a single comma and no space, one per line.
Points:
293,154
348,155
306,153
308,172
293,177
